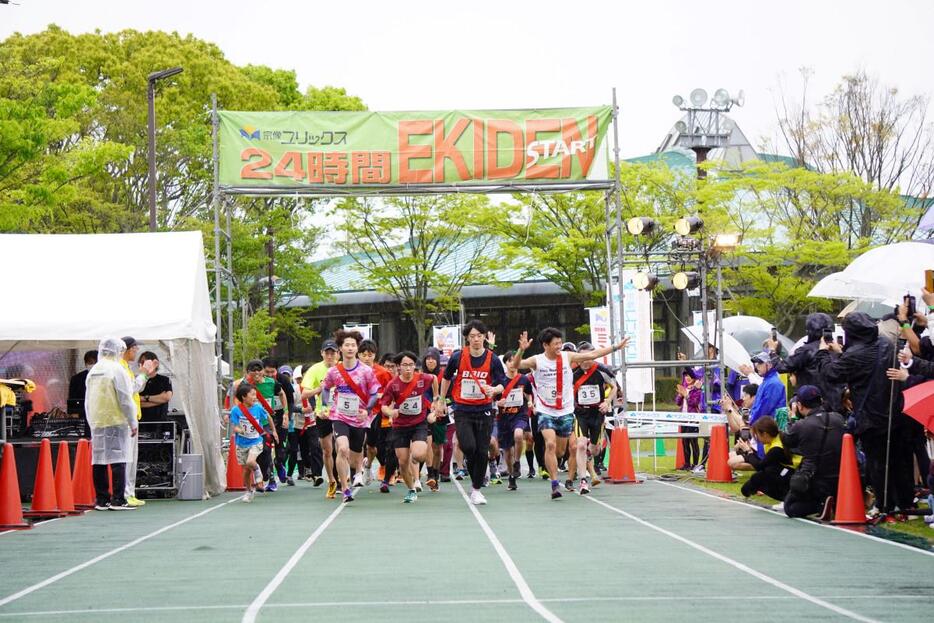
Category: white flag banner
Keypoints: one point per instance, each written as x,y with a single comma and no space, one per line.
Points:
366,330
447,340
637,324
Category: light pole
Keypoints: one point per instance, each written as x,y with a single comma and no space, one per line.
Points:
705,129
151,95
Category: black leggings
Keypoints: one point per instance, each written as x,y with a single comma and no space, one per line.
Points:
291,453
309,446
473,437
538,443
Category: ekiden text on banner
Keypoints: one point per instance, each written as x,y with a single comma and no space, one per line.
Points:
374,149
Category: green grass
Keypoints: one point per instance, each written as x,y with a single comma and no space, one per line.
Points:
915,529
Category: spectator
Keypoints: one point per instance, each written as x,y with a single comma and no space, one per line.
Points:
773,473
155,396
771,394
802,365
689,396
817,438
862,366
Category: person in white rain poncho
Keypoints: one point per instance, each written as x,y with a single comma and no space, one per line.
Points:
111,414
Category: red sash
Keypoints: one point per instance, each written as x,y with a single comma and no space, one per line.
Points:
584,377
468,368
265,404
559,385
364,399
249,416
407,390
511,385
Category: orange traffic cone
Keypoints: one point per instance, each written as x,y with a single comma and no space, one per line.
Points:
44,501
718,468
11,511
234,469
850,509
679,455
82,480
63,490
621,470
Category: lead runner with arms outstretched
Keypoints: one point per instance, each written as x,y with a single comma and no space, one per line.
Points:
553,380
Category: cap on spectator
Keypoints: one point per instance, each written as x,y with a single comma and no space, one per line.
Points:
329,345
254,364
569,346
285,370
763,357
130,342
809,396
297,372
584,346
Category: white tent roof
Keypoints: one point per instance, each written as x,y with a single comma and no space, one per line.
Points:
63,289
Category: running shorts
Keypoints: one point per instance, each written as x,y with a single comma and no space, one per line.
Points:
561,424
589,424
355,436
405,435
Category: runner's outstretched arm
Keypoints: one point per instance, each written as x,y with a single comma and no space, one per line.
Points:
589,355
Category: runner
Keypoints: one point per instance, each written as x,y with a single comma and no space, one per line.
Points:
272,397
594,394
309,443
257,378
312,387
405,403
439,444
514,418
473,370
552,378
356,390
247,419
378,437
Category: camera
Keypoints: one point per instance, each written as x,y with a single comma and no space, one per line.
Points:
827,335
745,434
911,305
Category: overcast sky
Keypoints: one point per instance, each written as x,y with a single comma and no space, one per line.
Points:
431,55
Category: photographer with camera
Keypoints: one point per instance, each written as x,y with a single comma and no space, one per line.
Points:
817,438
862,366
773,473
802,362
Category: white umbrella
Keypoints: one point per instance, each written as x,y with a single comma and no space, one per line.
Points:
883,274
751,331
734,355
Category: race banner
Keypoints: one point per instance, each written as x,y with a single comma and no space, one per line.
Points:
373,149
447,340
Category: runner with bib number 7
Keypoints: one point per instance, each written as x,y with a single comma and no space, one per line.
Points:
553,381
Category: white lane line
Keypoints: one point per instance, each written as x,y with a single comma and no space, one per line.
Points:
444,602
527,595
38,524
910,548
253,609
738,565
85,565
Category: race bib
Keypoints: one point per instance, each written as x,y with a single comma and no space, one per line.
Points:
551,394
470,389
514,399
247,429
588,395
348,405
411,406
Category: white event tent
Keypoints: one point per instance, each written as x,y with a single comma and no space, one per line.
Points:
73,290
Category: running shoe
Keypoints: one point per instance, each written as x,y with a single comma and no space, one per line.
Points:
318,480
248,496
458,475
332,490
122,507
367,473
132,500
290,482
595,482
512,486
384,487
555,491
102,507
272,486
496,480
584,488
358,480
418,485
432,484
348,496
543,473
310,477
476,498
569,485
410,497
531,474
280,472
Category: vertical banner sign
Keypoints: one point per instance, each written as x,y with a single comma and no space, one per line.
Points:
637,308
366,330
600,330
369,150
447,340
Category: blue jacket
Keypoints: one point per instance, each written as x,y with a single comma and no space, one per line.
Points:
771,396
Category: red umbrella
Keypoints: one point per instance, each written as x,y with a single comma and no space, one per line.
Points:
919,404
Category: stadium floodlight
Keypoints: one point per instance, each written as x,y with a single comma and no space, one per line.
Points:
681,127
640,225
689,225
740,99
685,280
645,281
721,98
698,97
677,100
725,242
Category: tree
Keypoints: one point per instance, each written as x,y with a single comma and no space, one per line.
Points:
420,250
867,129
